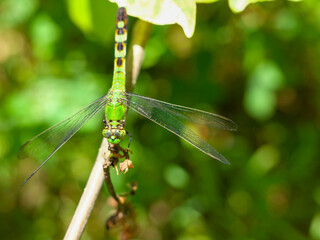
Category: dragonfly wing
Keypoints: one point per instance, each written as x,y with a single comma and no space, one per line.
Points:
44,145
190,114
173,118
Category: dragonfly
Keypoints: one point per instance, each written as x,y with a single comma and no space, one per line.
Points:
117,101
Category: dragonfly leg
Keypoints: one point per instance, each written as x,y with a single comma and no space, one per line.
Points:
116,153
112,160
129,134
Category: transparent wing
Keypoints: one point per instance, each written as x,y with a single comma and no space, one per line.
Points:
44,145
173,118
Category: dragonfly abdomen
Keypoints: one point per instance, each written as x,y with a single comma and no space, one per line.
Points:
119,75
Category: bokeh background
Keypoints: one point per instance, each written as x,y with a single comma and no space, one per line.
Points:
260,68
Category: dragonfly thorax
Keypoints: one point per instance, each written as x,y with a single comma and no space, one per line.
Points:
114,131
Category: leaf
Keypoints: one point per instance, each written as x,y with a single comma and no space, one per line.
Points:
94,17
161,12
239,5
206,1
80,14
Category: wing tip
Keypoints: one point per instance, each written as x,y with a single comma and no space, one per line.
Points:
21,153
225,161
28,178
234,126
222,159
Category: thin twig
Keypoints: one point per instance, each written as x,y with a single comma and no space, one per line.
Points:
107,179
97,175
109,184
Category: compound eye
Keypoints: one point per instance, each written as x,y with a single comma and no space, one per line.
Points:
117,134
108,134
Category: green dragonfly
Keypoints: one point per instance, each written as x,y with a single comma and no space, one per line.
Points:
170,116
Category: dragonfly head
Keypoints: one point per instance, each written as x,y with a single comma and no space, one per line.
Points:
114,132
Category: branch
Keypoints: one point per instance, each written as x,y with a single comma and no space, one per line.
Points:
88,197
97,176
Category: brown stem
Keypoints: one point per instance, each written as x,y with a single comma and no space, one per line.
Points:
106,169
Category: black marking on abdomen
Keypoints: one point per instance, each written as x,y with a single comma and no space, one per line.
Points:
120,31
120,46
119,62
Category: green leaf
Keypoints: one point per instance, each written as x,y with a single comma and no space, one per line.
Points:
80,14
160,12
96,18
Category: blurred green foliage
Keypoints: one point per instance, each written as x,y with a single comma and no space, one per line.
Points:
259,67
